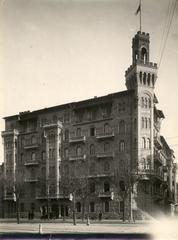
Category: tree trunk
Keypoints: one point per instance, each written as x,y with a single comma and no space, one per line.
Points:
74,213
124,210
83,210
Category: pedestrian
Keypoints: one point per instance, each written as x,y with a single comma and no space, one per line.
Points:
100,216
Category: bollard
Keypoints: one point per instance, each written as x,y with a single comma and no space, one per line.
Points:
40,229
88,221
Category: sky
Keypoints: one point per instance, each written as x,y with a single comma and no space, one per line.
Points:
59,51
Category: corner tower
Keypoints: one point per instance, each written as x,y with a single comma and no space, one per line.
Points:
141,77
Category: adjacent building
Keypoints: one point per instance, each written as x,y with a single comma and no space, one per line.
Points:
94,139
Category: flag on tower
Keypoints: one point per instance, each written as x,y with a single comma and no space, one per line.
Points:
138,9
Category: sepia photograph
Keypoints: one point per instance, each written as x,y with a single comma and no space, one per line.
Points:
88,119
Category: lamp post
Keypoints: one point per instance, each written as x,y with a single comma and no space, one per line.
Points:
72,198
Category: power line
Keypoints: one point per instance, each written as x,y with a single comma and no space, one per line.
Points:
167,33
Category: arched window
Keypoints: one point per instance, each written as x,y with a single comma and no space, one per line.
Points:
92,187
149,122
143,102
106,128
78,206
78,132
144,78
143,122
144,55
33,156
143,143
79,151
140,75
146,102
148,80
149,103
106,147
106,187
106,166
146,123
51,137
122,127
148,143
122,146
153,79
92,149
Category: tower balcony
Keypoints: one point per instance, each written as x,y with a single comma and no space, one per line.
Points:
77,157
104,135
31,180
77,139
157,142
105,155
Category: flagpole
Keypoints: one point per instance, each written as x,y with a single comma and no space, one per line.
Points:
140,16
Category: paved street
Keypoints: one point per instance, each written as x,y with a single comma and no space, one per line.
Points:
165,229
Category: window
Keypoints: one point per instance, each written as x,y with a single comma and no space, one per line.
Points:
92,187
43,155
122,146
140,77
142,164
106,128
149,103
92,149
66,135
51,137
92,206
143,122
106,206
33,140
144,55
146,123
66,170
122,127
106,166
146,102
79,151
143,143
106,187
148,80
148,143
92,167
22,157
33,156
78,132
78,206
149,122
143,102
92,131
144,78
66,153
106,147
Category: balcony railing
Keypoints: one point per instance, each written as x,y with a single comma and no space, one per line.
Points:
9,132
102,174
104,135
31,179
76,157
104,195
105,155
9,196
77,139
31,163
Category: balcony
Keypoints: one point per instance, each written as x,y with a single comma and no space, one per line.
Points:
158,159
29,163
9,197
76,157
31,180
101,175
105,155
104,135
9,133
29,145
105,195
157,142
77,139
52,124
45,196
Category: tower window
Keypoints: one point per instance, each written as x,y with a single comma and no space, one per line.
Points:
143,143
144,55
146,123
144,78
143,122
143,102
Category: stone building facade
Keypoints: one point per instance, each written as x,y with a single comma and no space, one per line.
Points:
93,138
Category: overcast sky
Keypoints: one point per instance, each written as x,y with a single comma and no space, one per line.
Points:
53,52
